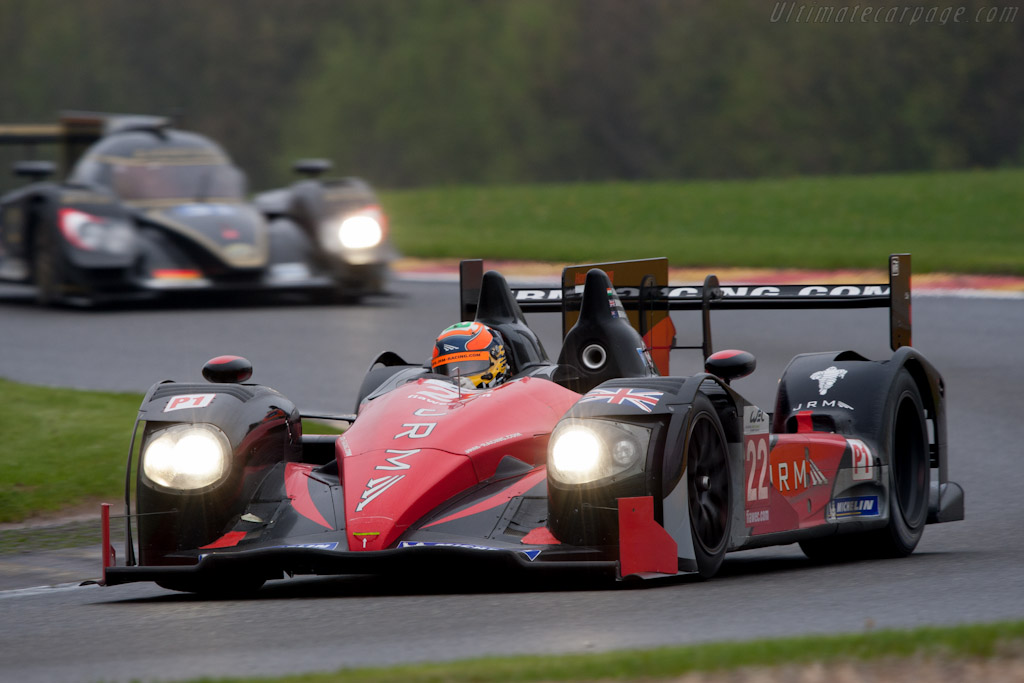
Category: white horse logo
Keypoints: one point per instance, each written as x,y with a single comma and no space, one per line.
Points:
827,378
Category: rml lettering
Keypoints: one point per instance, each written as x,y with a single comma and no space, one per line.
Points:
781,476
803,473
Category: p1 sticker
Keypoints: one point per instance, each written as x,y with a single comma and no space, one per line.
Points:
862,460
188,401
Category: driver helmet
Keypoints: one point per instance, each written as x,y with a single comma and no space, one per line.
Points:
473,353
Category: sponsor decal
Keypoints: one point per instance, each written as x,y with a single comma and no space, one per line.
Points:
811,405
755,461
747,292
378,485
645,357
863,461
539,295
375,487
638,398
313,546
792,476
857,506
485,444
755,420
615,305
184,401
758,516
827,378
530,554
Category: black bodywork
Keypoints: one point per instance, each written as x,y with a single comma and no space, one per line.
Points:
137,208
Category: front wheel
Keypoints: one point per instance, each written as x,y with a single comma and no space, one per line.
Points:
45,272
708,487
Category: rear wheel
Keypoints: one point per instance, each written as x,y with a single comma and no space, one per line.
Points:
909,472
708,486
907,437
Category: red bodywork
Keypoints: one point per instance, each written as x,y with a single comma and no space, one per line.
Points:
449,439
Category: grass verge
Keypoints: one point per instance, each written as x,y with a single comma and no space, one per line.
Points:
63,448
963,222
668,663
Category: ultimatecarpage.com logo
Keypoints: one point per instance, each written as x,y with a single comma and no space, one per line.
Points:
803,13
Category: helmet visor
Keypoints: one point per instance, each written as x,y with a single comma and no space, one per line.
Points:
463,363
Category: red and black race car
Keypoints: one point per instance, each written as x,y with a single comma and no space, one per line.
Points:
599,461
144,209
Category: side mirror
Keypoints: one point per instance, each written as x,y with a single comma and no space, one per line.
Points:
34,170
730,364
227,370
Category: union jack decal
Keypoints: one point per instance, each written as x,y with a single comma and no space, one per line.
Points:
638,398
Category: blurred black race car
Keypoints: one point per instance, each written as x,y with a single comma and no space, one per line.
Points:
146,209
492,458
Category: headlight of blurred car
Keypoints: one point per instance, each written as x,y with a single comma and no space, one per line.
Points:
584,451
96,233
362,229
187,457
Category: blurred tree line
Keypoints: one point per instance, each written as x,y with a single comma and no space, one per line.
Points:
426,92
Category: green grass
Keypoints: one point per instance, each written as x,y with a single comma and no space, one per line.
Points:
967,222
980,641
63,449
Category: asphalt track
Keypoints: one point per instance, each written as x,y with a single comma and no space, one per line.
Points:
962,572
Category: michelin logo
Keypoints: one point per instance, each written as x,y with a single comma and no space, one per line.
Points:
860,506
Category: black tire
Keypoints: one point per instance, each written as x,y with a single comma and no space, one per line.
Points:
909,471
909,480
708,487
45,272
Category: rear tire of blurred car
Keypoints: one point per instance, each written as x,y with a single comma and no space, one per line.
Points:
708,486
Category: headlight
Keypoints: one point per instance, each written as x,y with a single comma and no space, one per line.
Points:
96,233
187,457
582,452
363,229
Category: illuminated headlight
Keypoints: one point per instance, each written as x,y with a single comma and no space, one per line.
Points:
362,230
187,457
582,452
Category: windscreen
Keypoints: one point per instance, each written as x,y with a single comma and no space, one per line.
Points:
165,173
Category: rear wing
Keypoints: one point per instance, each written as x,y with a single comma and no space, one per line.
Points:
74,132
643,287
